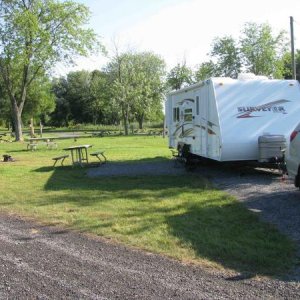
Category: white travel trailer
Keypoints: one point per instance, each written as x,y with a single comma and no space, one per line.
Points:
226,119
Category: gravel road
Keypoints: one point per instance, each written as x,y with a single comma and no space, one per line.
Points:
40,262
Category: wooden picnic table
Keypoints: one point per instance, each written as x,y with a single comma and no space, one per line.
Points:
34,142
41,139
52,138
79,154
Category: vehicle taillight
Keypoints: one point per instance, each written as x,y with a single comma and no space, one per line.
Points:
293,135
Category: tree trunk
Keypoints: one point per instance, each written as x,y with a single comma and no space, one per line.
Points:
16,110
140,120
126,124
95,119
17,123
125,114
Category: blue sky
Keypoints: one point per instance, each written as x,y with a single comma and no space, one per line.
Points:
179,30
111,16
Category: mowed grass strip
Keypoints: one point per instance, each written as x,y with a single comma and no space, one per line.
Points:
179,216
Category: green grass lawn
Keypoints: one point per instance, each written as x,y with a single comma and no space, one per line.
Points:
183,217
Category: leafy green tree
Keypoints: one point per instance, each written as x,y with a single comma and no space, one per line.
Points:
257,50
287,62
100,108
83,97
62,114
206,70
227,55
5,114
40,99
150,70
261,50
179,76
35,35
136,85
78,94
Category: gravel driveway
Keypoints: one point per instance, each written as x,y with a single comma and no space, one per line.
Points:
40,262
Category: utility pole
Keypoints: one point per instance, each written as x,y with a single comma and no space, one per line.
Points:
293,48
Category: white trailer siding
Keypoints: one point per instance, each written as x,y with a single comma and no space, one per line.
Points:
222,118
251,108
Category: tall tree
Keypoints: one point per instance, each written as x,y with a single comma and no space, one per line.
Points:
83,97
262,50
136,84
227,55
150,70
99,106
77,94
62,114
35,34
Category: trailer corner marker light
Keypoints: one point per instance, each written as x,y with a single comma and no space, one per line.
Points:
221,83
293,135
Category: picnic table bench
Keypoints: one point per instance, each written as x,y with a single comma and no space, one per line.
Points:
99,154
58,158
32,146
2,139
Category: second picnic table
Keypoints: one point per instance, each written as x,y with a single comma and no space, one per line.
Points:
34,142
79,154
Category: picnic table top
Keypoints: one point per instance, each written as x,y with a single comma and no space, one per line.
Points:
41,139
52,138
78,147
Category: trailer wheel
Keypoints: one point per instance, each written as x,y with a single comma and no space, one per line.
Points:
186,151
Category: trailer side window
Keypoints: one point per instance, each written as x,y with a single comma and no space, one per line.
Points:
188,115
197,105
176,114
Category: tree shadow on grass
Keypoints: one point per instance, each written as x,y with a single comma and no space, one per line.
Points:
75,178
216,227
